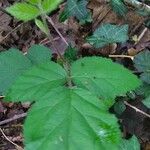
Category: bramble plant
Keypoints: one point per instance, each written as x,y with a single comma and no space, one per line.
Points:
72,100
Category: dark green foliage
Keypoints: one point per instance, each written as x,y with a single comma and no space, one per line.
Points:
108,34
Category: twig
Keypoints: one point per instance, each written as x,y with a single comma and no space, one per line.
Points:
17,146
142,34
11,31
2,97
13,118
136,109
52,23
121,56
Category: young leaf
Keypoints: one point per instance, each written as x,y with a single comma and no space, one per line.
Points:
108,34
76,8
70,54
36,82
142,63
39,54
50,5
12,64
131,144
70,119
103,77
41,26
23,11
119,7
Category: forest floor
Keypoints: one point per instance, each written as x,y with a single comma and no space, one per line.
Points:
21,35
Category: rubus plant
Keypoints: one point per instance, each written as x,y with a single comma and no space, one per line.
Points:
71,100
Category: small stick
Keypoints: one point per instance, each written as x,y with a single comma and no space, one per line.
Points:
17,146
121,56
52,23
142,34
11,32
13,118
2,97
136,109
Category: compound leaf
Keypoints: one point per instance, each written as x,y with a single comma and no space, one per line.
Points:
36,82
70,119
131,144
39,54
23,11
119,7
12,64
142,63
103,77
108,34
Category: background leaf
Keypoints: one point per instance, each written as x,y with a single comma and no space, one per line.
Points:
103,77
71,119
108,34
36,82
119,7
12,64
131,144
23,11
142,63
39,54
76,8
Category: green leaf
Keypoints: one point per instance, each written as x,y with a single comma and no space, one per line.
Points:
131,144
36,82
39,54
34,1
142,63
119,7
103,77
50,5
12,64
41,26
23,11
119,107
143,90
108,34
146,102
76,8
70,119
71,54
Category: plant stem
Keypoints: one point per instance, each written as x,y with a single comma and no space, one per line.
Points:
68,70
66,64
